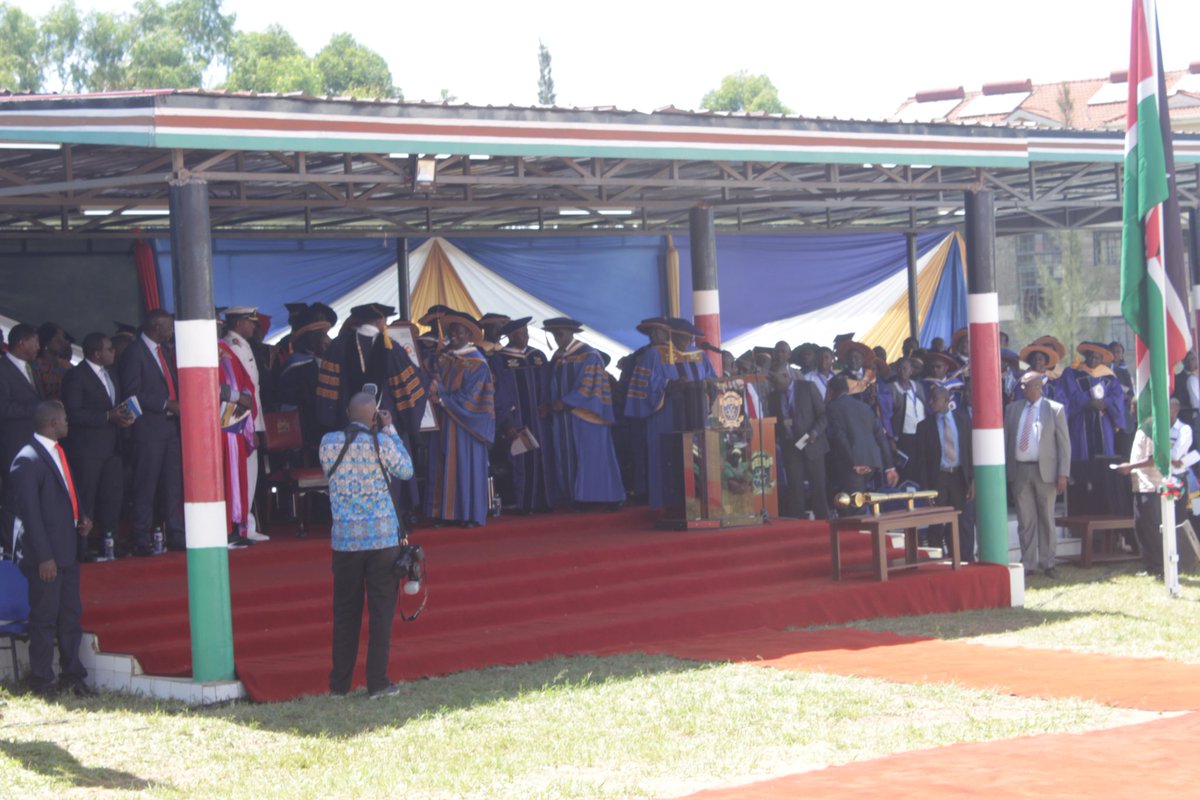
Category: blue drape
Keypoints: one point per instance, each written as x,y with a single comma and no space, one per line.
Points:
768,278
270,272
610,283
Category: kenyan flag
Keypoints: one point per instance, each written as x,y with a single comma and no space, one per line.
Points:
1153,282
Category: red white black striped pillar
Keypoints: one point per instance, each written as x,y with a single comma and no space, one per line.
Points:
706,299
199,413
1194,251
987,400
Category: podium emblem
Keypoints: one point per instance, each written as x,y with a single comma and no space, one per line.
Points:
729,410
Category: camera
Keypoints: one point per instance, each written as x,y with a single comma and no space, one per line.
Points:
410,567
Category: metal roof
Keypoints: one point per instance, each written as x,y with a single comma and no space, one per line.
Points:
297,165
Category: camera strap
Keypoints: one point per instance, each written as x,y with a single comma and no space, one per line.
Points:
424,599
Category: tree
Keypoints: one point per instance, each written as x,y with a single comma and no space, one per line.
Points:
745,92
349,68
1070,289
271,61
102,59
175,44
546,95
20,51
61,37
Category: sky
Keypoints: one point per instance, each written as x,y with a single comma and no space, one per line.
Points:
850,58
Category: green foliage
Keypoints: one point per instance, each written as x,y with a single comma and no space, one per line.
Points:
546,95
20,51
61,37
349,68
745,92
1070,288
271,61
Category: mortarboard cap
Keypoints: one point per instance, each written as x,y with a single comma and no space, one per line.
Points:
562,324
296,308
514,325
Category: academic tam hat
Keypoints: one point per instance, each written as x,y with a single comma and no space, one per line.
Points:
466,320
680,325
644,327
369,311
1049,352
1105,354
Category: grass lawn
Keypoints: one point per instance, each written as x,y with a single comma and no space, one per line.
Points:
1117,610
626,726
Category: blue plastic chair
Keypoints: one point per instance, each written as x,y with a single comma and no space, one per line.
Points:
14,610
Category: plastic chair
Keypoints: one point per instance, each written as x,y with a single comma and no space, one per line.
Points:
14,610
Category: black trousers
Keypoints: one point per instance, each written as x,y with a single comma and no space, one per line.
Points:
356,573
157,463
100,483
907,443
952,491
54,614
1147,524
800,466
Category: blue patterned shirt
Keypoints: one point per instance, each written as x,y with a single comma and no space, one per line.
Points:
364,517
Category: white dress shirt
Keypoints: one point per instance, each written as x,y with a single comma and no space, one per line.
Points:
914,409
105,378
52,447
1033,447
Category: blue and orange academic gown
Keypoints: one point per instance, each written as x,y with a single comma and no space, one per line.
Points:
1092,430
645,407
648,400
521,389
585,462
456,488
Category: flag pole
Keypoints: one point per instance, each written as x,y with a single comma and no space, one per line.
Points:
1170,552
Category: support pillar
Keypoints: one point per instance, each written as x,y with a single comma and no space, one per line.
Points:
983,317
706,303
402,296
914,313
1194,257
199,391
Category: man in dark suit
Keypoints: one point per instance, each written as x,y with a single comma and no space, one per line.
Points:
800,412
1037,447
146,372
909,407
20,391
48,527
92,395
860,446
942,461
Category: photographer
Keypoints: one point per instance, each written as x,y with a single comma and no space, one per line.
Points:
366,536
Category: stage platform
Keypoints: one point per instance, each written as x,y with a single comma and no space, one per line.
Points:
518,590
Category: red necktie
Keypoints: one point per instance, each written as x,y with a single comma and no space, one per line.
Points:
66,469
162,361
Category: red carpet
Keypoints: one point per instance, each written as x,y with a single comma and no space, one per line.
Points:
1152,761
518,590
1153,684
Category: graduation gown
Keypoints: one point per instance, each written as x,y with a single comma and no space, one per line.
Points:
585,462
1092,430
522,388
457,482
297,384
237,440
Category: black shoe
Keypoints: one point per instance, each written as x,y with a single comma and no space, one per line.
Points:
391,690
81,689
237,542
47,691
1052,573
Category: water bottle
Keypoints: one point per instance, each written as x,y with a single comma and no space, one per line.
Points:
494,501
110,550
159,549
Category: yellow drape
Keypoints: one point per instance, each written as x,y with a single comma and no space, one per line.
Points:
672,278
892,328
439,284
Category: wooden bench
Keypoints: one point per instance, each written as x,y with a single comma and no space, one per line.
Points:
878,526
1098,535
